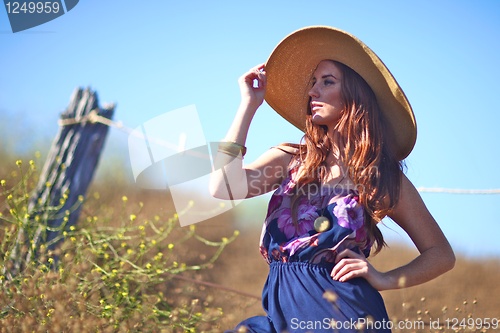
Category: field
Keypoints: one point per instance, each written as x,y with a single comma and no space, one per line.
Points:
468,292
128,267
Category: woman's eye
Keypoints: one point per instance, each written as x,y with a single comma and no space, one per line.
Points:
328,82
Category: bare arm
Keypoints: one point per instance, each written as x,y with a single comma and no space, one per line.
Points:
232,180
436,255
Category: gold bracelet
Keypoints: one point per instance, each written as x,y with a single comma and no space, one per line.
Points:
232,148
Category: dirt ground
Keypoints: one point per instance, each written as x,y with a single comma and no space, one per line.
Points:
470,290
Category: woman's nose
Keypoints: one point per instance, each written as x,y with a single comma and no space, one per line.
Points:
313,92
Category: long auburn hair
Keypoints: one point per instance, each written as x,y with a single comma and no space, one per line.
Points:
363,142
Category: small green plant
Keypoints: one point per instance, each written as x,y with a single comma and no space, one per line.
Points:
117,270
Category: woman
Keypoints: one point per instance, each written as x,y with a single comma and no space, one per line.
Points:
332,189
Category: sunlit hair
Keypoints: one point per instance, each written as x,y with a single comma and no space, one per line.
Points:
364,152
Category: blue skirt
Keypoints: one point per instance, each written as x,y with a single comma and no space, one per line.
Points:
303,297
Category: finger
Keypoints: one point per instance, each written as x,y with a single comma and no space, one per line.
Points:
257,79
340,268
351,275
260,71
347,253
256,72
250,78
347,257
349,268
259,68
261,81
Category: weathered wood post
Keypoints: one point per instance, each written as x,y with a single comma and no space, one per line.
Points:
66,175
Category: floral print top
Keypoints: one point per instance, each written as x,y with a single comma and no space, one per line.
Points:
286,240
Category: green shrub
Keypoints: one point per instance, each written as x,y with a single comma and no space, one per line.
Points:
119,269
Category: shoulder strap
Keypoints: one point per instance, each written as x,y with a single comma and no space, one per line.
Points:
287,149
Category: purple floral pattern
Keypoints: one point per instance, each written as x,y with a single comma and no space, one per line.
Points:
274,204
306,214
286,239
295,245
349,213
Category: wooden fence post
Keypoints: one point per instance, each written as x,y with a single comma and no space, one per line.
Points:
66,175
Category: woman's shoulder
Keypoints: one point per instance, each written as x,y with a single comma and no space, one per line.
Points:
277,159
288,148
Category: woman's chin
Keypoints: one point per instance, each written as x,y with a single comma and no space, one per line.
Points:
328,121
318,120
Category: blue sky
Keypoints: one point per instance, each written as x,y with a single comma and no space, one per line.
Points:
156,56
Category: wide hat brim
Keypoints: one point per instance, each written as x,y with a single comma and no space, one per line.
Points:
292,63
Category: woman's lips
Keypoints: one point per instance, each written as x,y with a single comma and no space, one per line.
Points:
315,106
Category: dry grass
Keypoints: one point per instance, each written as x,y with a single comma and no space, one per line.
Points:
470,290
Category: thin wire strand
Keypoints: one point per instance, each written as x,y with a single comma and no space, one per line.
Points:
93,117
457,190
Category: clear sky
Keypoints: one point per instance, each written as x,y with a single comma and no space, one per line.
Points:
151,57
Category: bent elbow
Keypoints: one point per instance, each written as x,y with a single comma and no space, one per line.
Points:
213,191
217,193
452,261
229,186
449,259
217,188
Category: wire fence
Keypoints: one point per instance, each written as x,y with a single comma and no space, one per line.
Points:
94,117
456,190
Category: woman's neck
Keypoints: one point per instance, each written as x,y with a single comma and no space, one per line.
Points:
335,153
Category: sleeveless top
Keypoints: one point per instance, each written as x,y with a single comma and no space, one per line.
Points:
286,239
299,294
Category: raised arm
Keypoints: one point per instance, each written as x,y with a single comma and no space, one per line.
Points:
232,180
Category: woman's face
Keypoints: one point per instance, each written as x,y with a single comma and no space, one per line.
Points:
326,96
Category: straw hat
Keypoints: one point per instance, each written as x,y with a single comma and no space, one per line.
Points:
292,63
